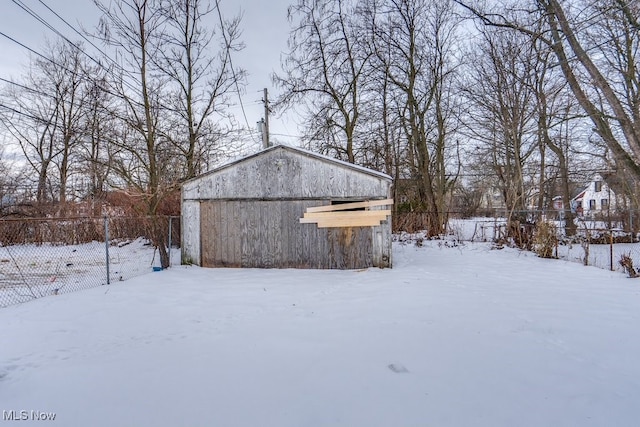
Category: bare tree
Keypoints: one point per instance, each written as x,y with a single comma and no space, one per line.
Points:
502,114
134,28
556,110
48,117
165,86
11,180
326,68
32,125
196,61
68,79
99,123
413,45
595,44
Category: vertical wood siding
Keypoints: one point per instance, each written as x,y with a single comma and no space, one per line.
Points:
190,232
267,234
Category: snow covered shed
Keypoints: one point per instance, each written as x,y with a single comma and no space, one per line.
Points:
286,207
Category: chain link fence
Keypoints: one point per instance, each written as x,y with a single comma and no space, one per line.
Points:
41,257
607,248
610,242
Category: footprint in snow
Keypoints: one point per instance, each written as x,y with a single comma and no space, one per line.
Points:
4,373
398,368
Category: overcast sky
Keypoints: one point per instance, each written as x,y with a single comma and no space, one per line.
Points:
265,32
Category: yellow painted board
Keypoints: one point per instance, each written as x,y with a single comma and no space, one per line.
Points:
349,222
348,214
325,220
353,205
318,220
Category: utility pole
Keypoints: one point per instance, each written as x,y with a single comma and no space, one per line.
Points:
265,133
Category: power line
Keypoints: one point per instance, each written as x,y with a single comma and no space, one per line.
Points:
35,15
247,104
27,48
30,89
44,22
48,25
38,119
62,67
77,32
97,62
102,52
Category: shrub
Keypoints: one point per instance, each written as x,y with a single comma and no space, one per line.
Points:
627,263
545,239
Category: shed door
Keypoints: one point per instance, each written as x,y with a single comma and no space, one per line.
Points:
268,234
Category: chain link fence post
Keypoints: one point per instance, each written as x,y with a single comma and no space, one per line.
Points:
170,222
611,249
106,245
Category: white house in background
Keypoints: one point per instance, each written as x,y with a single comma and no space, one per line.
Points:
596,198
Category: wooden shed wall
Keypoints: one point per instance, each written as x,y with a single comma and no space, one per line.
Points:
267,234
190,232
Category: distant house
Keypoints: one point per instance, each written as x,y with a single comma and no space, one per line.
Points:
493,199
601,195
406,193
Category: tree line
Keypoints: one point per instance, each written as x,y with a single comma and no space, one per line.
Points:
457,98
454,99
146,111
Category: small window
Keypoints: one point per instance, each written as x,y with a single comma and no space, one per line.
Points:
598,186
604,203
592,204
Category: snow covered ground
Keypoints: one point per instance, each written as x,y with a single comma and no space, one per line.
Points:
461,336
